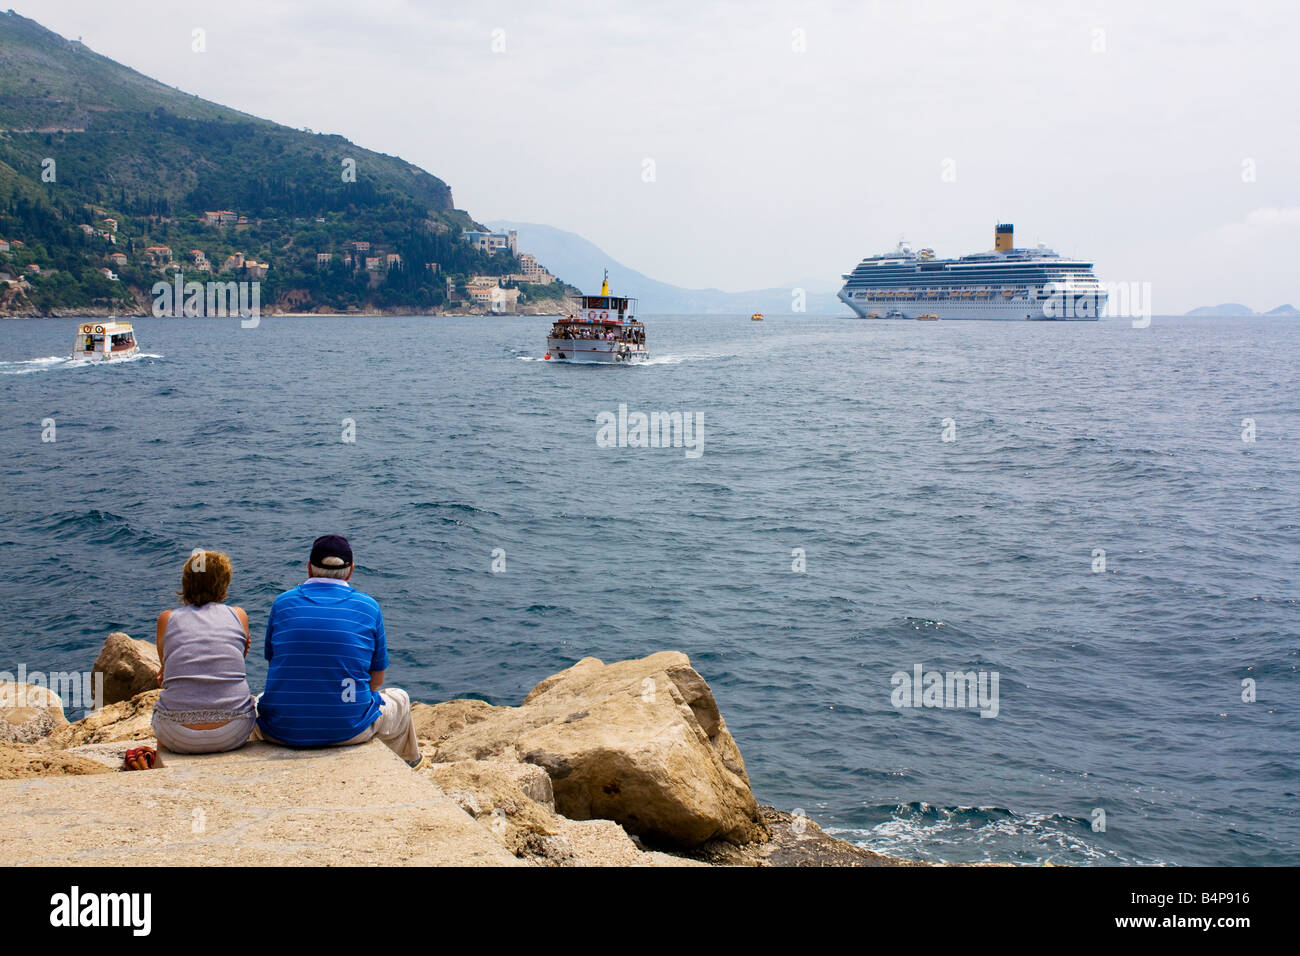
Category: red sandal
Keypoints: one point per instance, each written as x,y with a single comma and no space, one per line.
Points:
140,758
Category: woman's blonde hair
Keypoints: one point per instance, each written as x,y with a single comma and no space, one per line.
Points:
205,578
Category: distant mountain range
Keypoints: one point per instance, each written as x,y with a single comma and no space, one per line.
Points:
1236,308
582,263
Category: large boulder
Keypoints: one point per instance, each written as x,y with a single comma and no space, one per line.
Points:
639,742
434,722
28,712
493,792
514,802
125,720
129,667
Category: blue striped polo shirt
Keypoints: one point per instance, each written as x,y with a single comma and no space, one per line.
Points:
323,638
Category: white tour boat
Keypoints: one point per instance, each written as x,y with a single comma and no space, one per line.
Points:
109,341
603,330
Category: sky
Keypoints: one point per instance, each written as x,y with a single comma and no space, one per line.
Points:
757,144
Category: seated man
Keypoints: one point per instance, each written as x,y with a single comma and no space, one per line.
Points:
327,652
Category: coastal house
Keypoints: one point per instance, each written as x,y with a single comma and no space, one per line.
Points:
109,274
221,217
323,258
4,246
490,242
118,259
533,271
373,263
110,224
393,259
233,261
494,297
359,246
256,270
159,255
433,267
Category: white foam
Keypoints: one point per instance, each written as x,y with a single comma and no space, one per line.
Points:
51,362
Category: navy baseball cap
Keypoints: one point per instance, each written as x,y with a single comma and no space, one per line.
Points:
329,546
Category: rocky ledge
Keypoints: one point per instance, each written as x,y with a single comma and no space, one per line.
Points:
619,764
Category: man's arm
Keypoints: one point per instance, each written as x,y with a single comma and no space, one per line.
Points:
270,622
379,659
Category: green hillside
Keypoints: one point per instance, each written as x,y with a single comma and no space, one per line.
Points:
84,139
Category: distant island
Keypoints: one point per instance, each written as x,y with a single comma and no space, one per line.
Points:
111,182
1237,309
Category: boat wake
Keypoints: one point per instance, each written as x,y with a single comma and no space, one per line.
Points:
660,360
52,362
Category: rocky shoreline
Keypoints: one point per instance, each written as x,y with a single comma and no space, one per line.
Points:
622,764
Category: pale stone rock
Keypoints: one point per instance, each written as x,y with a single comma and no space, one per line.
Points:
125,720
35,760
28,712
640,742
260,805
129,667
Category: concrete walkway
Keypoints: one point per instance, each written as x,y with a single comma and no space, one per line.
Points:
260,805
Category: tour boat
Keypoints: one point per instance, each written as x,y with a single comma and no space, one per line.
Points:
105,342
756,317
604,330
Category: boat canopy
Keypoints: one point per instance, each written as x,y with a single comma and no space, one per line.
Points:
611,303
105,337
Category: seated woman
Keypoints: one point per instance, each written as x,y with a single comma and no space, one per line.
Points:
205,705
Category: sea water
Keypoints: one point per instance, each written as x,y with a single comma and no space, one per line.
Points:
1106,519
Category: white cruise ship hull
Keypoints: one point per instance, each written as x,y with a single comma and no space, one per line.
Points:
1079,308
1004,284
595,352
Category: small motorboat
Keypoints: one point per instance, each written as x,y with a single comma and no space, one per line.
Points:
756,317
109,341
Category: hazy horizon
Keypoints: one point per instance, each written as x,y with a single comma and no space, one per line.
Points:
791,140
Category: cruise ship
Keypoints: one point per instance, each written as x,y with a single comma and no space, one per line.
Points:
1006,283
